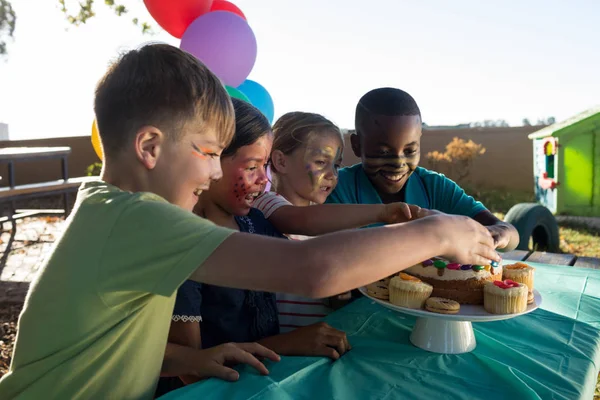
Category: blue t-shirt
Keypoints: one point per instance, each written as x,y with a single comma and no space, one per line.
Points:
225,314
231,315
425,188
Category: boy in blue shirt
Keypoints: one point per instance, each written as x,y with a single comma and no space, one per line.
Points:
387,139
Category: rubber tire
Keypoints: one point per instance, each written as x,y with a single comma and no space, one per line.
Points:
534,220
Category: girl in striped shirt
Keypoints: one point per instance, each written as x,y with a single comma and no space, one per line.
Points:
305,158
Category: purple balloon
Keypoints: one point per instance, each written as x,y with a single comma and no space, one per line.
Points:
225,43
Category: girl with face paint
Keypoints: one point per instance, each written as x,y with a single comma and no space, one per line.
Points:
205,315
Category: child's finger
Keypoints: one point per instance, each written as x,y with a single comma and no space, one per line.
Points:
238,356
406,210
325,351
259,350
486,254
223,372
337,342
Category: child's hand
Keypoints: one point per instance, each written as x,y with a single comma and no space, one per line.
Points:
318,339
466,240
394,213
501,235
212,362
425,212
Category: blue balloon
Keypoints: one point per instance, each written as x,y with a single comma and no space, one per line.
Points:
259,97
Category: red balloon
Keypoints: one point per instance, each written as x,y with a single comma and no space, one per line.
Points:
174,16
223,5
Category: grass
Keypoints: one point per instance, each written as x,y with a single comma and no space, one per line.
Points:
576,240
579,241
498,200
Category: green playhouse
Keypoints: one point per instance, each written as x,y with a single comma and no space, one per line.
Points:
566,169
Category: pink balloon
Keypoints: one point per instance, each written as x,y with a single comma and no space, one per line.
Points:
225,43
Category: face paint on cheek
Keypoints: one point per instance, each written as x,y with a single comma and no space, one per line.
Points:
373,164
338,156
310,174
317,177
201,153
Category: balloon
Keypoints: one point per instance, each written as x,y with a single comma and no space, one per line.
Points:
259,97
96,140
174,16
225,43
269,178
233,92
222,5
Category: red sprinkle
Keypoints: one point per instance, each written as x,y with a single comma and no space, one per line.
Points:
453,266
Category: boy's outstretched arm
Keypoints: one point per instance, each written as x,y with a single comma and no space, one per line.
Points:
338,262
505,235
326,218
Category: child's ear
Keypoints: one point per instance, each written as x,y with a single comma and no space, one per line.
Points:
355,143
148,145
278,159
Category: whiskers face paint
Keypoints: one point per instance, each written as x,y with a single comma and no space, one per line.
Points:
390,151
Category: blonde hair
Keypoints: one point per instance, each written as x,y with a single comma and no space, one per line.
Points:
293,130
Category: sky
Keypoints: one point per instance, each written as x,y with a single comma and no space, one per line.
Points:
462,60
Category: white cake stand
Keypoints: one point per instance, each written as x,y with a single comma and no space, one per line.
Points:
450,333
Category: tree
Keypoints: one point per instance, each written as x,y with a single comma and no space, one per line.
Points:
490,123
8,17
526,122
458,158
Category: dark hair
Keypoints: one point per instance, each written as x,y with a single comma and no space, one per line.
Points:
384,101
293,129
250,125
162,86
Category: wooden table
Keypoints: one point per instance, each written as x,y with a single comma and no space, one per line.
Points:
569,260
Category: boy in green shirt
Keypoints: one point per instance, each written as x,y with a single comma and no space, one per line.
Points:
96,319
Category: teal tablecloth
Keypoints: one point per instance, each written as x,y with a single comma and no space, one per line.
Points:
552,353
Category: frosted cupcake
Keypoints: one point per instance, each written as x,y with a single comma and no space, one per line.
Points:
519,272
505,297
408,291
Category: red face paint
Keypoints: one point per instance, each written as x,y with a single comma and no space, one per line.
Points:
244,177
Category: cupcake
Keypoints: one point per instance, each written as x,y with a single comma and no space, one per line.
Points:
408,291
505,297
519,272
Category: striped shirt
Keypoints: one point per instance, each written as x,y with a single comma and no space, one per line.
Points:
294,311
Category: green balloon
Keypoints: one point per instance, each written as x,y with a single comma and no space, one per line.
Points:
233,92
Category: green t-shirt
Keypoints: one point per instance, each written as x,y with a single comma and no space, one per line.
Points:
96,319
